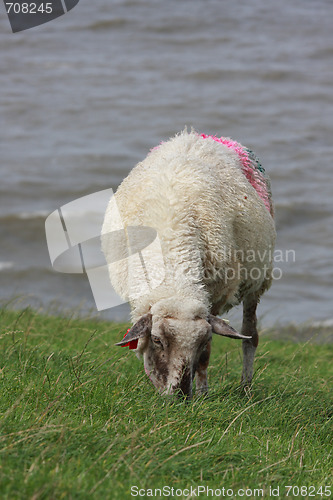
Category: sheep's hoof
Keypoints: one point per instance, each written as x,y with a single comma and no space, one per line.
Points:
201,392
246,387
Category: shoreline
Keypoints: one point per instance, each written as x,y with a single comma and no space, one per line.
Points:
314,332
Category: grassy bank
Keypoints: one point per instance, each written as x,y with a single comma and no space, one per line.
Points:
79,418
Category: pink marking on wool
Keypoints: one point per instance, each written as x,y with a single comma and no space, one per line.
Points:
156,147
254,177
235,146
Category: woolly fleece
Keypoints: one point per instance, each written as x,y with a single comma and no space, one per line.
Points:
194,191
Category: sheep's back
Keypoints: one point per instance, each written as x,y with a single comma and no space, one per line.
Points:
194,190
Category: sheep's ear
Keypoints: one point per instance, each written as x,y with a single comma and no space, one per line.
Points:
141,328
220,327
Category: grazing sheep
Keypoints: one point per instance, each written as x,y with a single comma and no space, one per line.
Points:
209,200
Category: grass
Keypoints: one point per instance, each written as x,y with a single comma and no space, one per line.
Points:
80,419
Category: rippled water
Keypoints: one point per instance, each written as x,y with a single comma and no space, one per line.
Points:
85,97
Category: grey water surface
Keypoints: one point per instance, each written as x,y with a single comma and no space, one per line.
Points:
84,98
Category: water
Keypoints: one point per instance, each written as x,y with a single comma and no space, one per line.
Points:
85,97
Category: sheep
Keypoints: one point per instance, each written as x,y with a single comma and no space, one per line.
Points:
209,200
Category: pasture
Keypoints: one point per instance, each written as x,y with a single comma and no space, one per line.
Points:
80,419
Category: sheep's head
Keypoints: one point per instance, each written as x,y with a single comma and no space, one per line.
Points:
174,340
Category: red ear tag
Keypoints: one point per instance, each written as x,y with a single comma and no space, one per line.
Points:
132,344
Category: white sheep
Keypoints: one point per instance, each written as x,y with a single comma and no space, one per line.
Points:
209,200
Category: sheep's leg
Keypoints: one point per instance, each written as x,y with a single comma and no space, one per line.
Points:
249,328
201,371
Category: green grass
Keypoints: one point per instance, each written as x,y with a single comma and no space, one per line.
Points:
80,419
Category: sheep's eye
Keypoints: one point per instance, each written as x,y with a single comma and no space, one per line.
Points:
157,341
